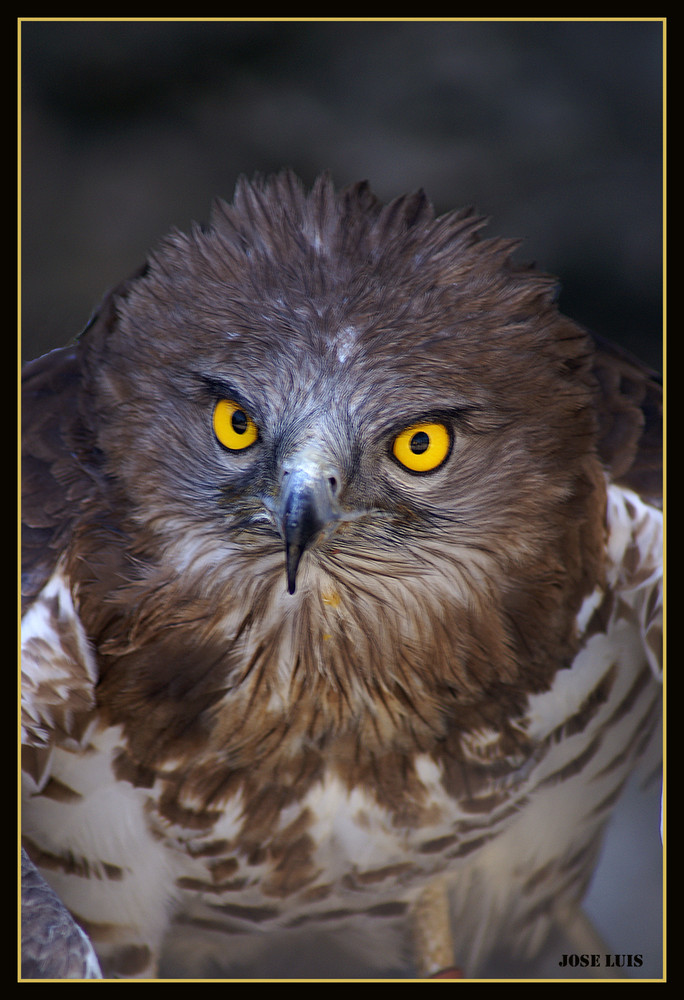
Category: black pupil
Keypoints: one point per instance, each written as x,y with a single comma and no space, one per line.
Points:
239,422
420,442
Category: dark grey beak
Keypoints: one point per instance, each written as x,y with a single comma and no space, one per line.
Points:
307,506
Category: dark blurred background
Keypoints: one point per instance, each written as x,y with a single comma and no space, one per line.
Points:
550,128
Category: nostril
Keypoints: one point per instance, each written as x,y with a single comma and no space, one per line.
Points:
332,481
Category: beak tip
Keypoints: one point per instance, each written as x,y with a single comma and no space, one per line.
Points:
293,555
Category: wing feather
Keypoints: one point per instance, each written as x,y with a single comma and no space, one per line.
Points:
630,412
51,482
53,946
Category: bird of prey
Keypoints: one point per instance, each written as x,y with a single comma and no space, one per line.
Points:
341,592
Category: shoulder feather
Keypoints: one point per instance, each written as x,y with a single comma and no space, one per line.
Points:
630,415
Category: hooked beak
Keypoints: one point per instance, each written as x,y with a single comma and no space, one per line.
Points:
307,505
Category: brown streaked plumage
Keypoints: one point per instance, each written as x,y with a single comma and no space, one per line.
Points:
290,669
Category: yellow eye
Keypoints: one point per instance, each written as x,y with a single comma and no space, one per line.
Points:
422,447
233,426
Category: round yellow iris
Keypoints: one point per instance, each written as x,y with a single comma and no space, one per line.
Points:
422,447
233,426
